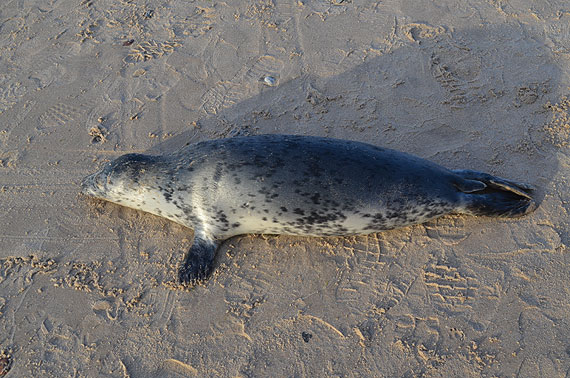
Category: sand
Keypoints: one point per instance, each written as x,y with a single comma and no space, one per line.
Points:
88,289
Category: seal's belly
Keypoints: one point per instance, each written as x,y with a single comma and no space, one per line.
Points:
314,225
320,209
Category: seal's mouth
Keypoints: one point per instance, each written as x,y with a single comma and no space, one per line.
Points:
87,184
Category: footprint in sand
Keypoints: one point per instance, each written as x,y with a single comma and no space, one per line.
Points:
451,289
243,85
61,114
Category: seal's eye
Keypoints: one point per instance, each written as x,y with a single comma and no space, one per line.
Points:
131,166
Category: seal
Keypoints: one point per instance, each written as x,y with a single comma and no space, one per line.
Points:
296,185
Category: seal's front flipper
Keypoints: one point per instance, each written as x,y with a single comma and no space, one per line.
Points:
199,261
484,194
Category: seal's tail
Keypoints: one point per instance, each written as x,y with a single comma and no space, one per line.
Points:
484,194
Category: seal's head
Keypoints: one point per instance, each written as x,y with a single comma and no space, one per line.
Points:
119,179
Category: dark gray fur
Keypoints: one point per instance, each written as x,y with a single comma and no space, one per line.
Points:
280,184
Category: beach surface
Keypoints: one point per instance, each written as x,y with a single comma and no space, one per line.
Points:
89,289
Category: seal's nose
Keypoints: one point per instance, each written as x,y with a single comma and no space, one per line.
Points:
87,185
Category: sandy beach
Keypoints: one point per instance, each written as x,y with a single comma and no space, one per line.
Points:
89,288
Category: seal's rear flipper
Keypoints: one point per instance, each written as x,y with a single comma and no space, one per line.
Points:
520,188
199,261
497,197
